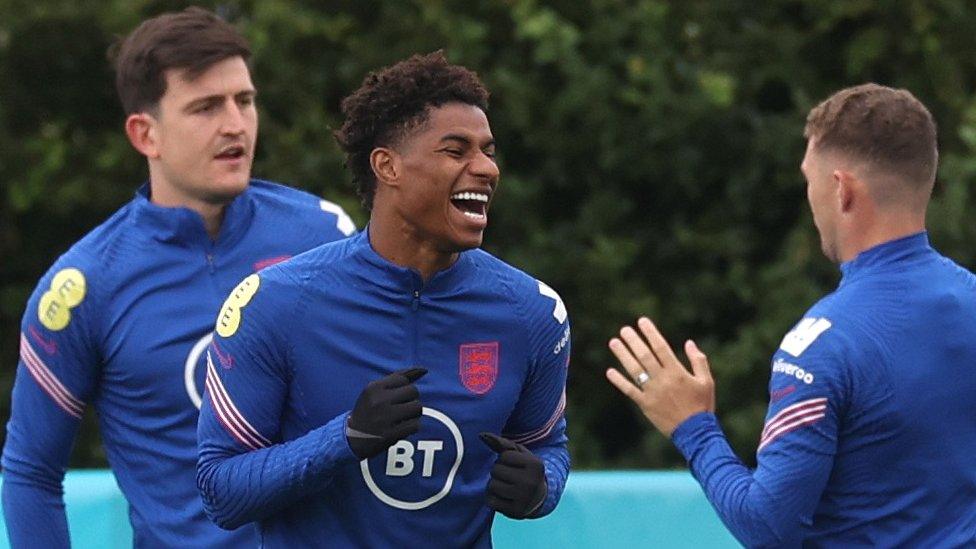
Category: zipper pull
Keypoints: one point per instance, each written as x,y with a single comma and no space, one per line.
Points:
416,299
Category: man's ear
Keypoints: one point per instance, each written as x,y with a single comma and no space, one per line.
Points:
386,166
849,189
140,128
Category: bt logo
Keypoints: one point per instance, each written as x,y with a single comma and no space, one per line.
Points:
190,369
408,460
399,458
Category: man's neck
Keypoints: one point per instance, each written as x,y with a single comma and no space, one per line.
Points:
879,233
398,242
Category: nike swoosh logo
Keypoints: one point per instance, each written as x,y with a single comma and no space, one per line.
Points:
270,261
50,347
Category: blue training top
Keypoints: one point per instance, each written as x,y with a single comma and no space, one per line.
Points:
297,344
870,436
121,321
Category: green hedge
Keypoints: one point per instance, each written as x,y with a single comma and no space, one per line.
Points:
649,153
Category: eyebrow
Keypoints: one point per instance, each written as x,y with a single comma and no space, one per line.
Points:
218,97
464,139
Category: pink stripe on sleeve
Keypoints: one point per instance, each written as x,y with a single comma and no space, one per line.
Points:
48,382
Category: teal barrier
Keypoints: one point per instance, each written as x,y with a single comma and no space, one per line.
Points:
605,509
98,515
609,509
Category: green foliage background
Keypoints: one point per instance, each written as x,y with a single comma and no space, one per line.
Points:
649,152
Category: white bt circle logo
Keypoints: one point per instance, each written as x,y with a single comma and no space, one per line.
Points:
189,370
404,458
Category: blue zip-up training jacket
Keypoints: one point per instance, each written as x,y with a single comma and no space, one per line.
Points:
121,322
296,345
870,437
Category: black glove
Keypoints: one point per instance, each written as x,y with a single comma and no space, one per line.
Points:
518,480
386,411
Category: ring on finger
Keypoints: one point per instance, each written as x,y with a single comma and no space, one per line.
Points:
642,378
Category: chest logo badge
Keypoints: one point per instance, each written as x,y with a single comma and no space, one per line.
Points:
410,461
478,366
192,370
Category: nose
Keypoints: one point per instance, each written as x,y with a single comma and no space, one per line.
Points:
485,167
234,120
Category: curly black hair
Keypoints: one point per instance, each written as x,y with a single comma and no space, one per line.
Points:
395,100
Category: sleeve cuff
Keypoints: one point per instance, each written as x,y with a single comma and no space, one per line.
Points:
692,432
333,439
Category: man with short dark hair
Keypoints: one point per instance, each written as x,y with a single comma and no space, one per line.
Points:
869,437
350,387
122,319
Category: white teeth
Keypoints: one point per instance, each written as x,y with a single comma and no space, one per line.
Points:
473,215
480,197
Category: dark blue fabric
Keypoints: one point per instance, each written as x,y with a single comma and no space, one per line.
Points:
313,334
871,428
150,282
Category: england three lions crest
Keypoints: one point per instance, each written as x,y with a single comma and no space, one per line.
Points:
478,366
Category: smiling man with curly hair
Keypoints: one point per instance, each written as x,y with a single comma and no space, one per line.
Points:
400,387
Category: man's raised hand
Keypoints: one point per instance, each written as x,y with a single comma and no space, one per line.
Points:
666,392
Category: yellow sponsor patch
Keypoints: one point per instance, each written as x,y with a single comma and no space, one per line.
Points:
229,318
68,288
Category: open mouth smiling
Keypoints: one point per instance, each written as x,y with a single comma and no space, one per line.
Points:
472,204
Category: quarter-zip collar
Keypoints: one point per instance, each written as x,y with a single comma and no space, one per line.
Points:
398,279
181,225
885,255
